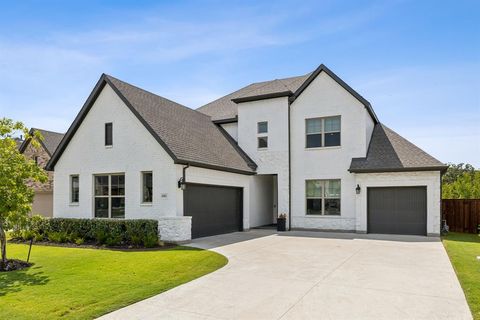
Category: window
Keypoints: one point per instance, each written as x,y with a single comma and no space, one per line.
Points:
109,196
322,132
323,197
262,142
109,134
147,187
74,188
36,160
262,127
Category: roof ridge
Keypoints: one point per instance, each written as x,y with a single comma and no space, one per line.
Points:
154,94
38,129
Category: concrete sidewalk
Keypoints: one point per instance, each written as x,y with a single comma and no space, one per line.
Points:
314,275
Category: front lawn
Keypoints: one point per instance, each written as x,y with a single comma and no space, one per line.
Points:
463,249
86,283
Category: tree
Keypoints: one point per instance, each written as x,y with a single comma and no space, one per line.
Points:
16,195
454,171
466,186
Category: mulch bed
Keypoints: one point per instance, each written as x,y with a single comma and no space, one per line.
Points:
14,264
165,246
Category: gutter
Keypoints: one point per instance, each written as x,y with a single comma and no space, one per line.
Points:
289,172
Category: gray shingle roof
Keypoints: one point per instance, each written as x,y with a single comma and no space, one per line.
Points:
51,139
388,151
225,108
187,134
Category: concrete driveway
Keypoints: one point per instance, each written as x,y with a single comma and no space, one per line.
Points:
313,275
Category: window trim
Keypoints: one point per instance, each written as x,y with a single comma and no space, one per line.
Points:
323,198
71,189
109,196
142,180
323,132
109,125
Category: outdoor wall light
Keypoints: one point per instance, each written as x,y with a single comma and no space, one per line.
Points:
357,189
181,184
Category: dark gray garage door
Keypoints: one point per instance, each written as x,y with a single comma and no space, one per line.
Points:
214,209
397,210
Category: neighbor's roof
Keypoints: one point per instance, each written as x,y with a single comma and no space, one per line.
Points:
188,136
226,108
389,152
50,141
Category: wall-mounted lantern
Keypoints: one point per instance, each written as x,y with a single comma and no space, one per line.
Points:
358,189
182,183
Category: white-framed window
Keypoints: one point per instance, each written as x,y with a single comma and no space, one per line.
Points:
74,188
109,195
322,132
147,187
262,138
323,197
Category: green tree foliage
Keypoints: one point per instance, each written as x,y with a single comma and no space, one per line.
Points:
461,182
454,171
16,195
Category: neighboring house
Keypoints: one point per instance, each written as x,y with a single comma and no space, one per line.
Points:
43,200
308,146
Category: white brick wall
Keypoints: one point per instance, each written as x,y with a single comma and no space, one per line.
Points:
175,229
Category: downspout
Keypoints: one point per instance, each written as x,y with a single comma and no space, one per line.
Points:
289,172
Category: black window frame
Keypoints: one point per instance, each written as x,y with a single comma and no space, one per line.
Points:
109,134
262,138
145,199
74,193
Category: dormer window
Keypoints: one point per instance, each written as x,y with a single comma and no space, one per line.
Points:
108,134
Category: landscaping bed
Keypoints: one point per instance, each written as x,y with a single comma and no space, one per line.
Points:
464,250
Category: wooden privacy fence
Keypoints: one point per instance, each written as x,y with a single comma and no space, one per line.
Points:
462,215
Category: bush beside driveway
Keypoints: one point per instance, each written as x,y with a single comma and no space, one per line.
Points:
86,283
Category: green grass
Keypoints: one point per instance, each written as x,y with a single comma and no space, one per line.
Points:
86,283
463,249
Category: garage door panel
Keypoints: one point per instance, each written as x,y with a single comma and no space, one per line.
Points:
214,209
397,210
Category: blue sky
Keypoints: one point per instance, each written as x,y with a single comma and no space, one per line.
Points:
417,62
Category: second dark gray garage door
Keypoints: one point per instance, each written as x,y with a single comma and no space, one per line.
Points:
397,210
214,209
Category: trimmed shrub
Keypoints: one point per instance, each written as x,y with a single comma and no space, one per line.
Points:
111,232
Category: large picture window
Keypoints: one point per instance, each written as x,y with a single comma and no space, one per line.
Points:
322,132
109,196
323,197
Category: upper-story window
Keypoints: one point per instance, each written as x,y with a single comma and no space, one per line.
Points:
262,127
322,132
108,134
262,139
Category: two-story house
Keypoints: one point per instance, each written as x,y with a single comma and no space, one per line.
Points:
309,146
43,199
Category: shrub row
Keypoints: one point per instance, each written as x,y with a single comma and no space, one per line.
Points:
110,232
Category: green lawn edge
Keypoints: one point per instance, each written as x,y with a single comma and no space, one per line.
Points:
82,283
463,249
